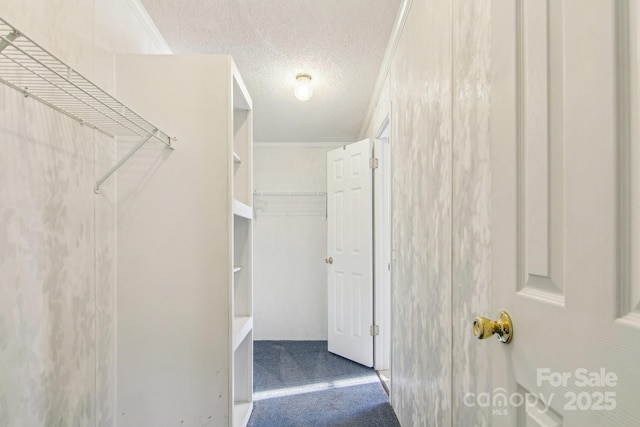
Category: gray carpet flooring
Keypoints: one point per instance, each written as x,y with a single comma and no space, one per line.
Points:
301,384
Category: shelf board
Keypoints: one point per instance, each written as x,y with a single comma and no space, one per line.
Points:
241,98
236,158
241,327
240,209
241,413
236,269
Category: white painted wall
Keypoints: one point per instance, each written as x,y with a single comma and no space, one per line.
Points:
436,87
57,237
290,275
291,166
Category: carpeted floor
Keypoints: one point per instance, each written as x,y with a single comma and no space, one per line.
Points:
301,384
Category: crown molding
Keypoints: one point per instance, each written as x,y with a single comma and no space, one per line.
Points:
150,27
389,54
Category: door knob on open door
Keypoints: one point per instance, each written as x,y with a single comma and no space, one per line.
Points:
503,328
328,260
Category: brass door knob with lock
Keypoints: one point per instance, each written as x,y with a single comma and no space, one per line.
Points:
483,328
329,260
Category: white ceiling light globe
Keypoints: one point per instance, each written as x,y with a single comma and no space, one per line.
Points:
303,90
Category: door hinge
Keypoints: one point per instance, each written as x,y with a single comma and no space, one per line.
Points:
373,163
374,330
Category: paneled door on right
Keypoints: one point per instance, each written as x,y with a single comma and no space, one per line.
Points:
566,212
350,252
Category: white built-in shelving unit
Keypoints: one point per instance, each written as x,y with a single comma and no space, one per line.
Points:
242,263
198,308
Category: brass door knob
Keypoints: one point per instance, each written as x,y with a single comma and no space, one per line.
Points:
328,260
503,328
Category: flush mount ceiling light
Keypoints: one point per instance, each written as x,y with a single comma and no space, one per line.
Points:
303,90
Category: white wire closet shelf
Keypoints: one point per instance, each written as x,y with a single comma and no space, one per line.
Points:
30,69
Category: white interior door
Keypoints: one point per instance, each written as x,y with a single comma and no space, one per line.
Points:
565,211
349,252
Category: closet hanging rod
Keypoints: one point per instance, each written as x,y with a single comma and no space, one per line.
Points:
290,193
32,70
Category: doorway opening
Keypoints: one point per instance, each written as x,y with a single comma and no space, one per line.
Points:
382,252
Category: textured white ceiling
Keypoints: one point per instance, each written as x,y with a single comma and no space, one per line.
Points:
341,43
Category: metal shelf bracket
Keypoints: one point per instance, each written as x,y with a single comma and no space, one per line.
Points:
10,37
127,157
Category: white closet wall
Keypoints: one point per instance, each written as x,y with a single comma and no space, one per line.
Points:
57,237
290,240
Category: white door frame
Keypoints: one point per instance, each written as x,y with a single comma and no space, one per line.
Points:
382,247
